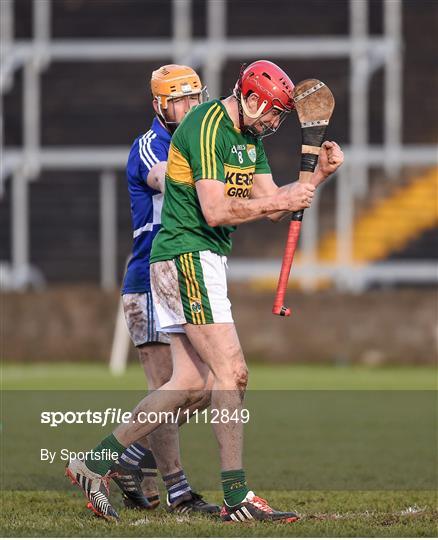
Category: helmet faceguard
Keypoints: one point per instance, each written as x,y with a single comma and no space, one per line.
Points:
171,82
267,128
274,90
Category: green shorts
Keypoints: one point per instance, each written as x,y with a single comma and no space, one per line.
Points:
192,288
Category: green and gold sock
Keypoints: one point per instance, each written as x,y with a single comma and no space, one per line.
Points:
234,486
109,451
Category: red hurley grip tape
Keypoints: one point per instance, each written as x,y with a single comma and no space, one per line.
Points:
288,257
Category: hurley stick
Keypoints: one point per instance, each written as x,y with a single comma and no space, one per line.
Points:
314,103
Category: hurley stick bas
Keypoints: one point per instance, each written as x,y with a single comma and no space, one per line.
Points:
314,104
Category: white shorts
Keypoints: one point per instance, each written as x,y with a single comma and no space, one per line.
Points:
192,288
140,319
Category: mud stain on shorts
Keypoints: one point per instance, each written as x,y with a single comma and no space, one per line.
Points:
164,279
140,321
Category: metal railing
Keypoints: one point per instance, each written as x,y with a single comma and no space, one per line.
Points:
366,54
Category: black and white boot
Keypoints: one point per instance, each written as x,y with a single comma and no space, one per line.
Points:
255,508
95,488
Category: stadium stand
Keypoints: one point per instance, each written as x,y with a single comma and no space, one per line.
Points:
394,222
95,104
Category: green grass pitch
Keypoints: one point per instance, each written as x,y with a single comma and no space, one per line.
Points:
324,513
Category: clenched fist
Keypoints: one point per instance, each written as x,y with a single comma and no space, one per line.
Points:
330,159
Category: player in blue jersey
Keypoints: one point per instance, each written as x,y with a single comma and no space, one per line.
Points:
175,90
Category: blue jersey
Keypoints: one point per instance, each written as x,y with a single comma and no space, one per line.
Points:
146,203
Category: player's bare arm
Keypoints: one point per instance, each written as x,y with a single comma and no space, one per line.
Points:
221,210
156,176
330,159
264,186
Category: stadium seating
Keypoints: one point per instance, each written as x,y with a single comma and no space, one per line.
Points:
393,222
107,103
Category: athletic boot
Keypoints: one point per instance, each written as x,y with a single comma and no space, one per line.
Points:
95,488
255,508
192,502
129,481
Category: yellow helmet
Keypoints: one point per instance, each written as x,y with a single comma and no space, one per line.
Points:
172,81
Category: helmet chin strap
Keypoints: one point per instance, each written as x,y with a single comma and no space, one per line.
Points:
248,112
170,126
243,108
267,130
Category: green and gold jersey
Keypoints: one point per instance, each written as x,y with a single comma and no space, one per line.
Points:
205,146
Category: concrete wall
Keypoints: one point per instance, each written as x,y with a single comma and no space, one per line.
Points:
385,326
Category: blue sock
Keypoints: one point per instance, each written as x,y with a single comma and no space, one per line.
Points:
177,486
132,456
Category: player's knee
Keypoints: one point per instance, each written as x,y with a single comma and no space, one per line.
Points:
192,396
195,395
233,375
203,399
241,379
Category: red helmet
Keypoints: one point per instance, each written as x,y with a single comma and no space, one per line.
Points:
270,83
